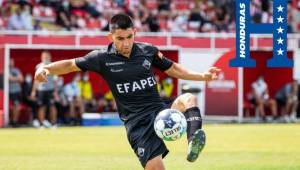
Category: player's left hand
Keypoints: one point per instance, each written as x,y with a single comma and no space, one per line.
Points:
212,73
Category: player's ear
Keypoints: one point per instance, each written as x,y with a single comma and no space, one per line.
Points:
109,36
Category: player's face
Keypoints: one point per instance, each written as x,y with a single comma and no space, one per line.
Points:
123,40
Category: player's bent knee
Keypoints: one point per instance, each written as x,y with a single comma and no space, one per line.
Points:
155,163
190,100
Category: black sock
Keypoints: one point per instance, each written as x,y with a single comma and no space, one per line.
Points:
194,121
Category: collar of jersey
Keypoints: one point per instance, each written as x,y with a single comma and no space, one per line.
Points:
112,50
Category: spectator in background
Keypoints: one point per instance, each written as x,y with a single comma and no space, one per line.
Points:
111,104
290,19
164,7
195,19
15,80
295,17
45,94
26,91
260,97
178,22
63,15
15,21
266,15
61,102
158,84
168,87
76,107
86,90
222,19
102,105
20,19
152,21
287,97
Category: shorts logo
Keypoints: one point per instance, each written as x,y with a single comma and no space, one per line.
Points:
140,152
278,29
147,64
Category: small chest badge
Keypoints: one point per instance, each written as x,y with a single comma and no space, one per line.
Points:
147,64
140,152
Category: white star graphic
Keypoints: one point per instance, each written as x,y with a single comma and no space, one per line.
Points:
280,30
280,19
280,40
280,51
280,8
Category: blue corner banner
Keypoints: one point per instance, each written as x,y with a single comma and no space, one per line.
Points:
244,28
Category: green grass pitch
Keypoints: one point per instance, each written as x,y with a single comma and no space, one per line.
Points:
229,147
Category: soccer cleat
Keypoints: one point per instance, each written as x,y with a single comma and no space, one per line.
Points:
196,145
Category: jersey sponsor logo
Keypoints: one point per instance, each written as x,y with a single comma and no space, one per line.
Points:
115,63
136,85
116,70
147,64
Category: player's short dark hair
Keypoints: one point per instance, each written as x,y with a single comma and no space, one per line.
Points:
120,21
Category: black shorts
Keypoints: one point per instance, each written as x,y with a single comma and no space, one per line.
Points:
143,139
253,101
45,98
281,101
15,98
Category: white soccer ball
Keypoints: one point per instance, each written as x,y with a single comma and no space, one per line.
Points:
170,124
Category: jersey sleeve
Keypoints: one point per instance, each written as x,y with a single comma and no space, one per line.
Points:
160,61
90,62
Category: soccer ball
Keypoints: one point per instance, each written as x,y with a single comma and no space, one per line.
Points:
170,124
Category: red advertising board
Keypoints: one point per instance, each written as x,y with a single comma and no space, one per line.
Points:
221,96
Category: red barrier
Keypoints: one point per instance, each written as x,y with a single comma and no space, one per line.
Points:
191,42
55,40
13,39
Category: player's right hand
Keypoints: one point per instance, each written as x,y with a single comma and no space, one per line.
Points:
41,74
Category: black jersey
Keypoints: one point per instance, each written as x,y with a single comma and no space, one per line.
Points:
131,80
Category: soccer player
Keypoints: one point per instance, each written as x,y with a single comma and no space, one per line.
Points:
127,67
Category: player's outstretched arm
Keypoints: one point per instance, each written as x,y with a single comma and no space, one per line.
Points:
55,68
178,71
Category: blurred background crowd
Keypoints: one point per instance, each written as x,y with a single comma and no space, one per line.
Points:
148,15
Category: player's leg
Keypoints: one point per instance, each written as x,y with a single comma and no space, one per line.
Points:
41,113
261,107
15,113
53,114
52,108
15,108
187,104
155,164
294,110
44,104
273,107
